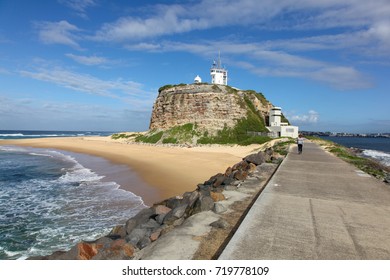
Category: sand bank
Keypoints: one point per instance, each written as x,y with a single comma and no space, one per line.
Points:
169,171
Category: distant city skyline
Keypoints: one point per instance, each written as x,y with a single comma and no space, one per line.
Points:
98,64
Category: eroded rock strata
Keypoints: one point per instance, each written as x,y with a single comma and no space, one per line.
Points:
210,107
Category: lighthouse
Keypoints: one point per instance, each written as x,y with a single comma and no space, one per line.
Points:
279,128
275,116
218,73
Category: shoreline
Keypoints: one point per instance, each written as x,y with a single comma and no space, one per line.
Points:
125,177
165,171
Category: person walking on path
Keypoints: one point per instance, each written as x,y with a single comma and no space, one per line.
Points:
300,143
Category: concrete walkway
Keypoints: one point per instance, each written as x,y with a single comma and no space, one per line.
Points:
316,206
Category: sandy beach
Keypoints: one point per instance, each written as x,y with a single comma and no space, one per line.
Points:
167,171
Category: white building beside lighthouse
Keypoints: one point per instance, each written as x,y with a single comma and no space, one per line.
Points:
197,79
218,73
279,128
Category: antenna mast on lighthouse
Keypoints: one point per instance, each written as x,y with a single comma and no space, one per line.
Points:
219,59
218,73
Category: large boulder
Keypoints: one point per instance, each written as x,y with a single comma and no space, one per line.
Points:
204,203
219,180
256,159
242,165
219,208
142,217
214,179
155,235
161,209
81,251
117,232
217,196
204,190
117,250
221,223
240,175
228,171
175,214
268,154
171,202
136,235
190,198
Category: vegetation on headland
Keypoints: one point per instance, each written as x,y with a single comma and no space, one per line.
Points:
253,122
169,86
151,138
284,119
117,136
258,95
180,134
174,135
367,165
189,134
215,87
239,133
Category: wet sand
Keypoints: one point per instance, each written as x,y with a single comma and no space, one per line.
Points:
121,174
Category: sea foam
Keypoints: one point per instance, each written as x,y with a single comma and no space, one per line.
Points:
49,202
380,156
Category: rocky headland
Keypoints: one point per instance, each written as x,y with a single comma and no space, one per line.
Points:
207,114
209,107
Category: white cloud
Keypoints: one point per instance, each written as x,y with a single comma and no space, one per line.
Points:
302,14
168,21
311,117
79,6
44,115
365,30
144,47
13,107
352,27
365,25
344,78
88,60
119,89
372,41
61,32
262,61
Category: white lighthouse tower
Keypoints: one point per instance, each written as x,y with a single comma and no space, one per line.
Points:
275,116
218,73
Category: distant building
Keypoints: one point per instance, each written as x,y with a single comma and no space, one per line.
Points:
218,73
197,80
279,128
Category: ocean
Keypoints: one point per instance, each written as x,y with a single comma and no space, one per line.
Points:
375,148
49,200
24,134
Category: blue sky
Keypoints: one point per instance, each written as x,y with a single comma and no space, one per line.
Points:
98,64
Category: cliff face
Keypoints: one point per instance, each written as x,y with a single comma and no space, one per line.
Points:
210,107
